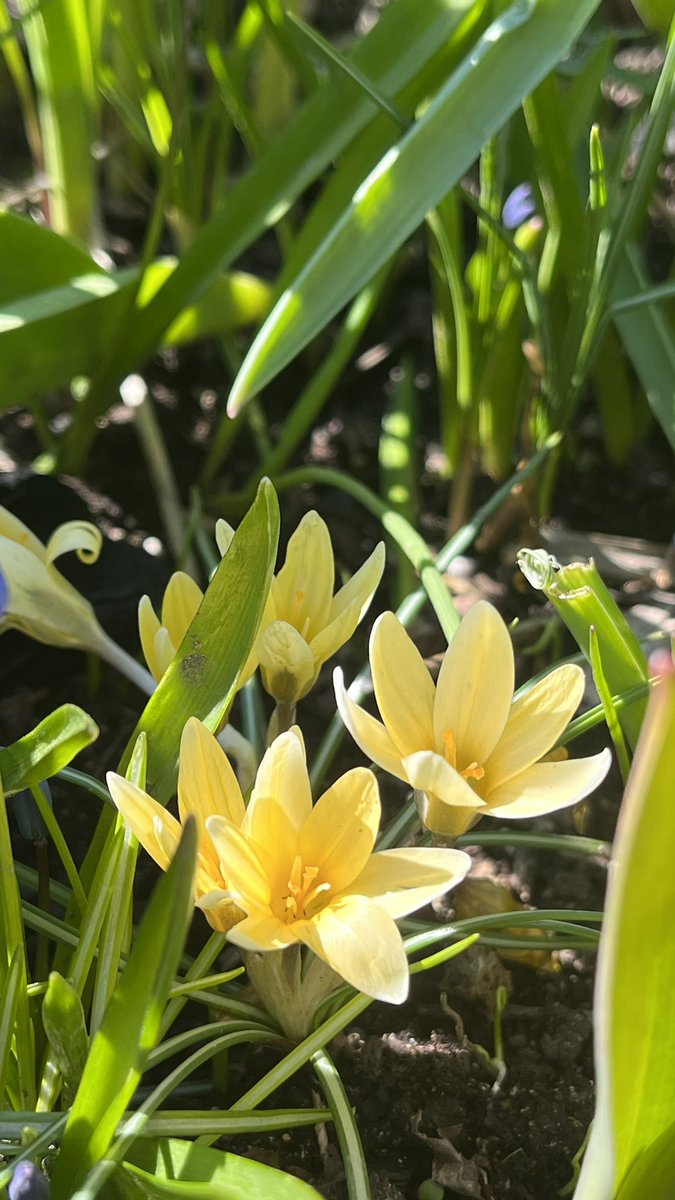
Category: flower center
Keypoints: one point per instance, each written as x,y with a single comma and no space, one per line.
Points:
472,771
304,896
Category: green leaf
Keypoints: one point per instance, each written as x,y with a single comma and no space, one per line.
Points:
202,678
35,259
582,600
131,1025
405,38
648,340
631,1153
63,1020
47,748
506,63
53,329
174,1168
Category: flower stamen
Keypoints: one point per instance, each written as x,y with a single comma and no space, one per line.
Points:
473,771
301,899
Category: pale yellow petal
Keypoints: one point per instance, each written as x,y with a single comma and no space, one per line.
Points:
360,941
369,734
179,606
303,589
15,530
207,785
548,786
474,689
403,687
262,931
535,723
41,603
140,812
334,635
81,536
428,772
445,821
362,586
282,776
286,662
401,881
148,628
224,536
240,865
219,910
164,650
339,834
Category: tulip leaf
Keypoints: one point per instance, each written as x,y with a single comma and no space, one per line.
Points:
60,324
46,749
172,1167
631,1153
407,37
202,678
506,63
131,1024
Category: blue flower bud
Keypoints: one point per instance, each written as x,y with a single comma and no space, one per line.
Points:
28,1183
519,206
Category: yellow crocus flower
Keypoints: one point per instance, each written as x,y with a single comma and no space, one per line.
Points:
161,636
207,785
307,874
466,747
304,623
38,600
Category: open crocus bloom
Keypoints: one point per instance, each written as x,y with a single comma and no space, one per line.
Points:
206,785
36,598
308,875
305,623
466,747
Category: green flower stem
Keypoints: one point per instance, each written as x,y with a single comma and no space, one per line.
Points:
61,846
290,993
108,650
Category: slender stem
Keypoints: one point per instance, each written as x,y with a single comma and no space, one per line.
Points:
346,1126
125,664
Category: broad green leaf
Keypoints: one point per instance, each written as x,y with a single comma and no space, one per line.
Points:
46,749
631,1151
131,1025
48,335
406,37
513,55
202,678
64,1024
35,259
174,1168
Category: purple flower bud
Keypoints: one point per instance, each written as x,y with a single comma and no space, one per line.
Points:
28,1183
4,594
519,206
27,813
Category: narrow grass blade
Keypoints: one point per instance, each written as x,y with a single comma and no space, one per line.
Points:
131,1024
